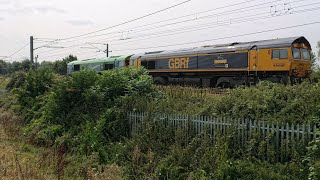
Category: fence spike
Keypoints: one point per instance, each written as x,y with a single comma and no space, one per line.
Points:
303,135
282,134
277,139
314,132
298,132
309,132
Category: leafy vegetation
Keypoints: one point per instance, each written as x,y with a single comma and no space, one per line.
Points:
59,66
82,119
316,64
267,101
7,67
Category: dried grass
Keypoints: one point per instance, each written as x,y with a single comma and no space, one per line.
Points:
15,164
10,123
110,172
19,160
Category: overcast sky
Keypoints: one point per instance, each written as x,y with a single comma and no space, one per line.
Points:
58,19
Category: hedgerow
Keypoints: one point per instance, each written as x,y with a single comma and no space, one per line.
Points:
84,116
265,102
273,102
80,111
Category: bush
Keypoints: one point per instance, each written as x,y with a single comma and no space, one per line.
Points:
267,101
31,95
273,102
85,106
312,159
16,81
86,114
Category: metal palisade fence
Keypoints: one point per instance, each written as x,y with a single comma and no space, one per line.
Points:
283,139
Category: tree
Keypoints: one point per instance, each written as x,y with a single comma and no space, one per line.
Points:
3,67
313,60
70,58
47,64
315,63
60,67
26,64
318,46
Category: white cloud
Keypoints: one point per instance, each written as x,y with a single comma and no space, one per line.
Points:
5,2
48,9
80,22
28,10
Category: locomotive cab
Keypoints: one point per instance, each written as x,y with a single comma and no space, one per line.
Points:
300,61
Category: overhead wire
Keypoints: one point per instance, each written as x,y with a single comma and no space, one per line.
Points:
62,54
227,22
198,18
231,12
227,37
156,36
227,12
20,49
81,35
127,22
215,39
219,22
216,25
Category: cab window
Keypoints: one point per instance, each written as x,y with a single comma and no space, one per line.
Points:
149,64
279,54
296,53
76,67
306,54
119,64
108,66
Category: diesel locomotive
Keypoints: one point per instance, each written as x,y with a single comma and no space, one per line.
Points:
281,60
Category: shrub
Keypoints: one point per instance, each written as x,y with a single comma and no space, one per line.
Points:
272,102
32,92
86,107
86,114
267,101
312,159
16,81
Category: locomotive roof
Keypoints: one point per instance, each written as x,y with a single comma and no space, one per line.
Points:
236,46
99,60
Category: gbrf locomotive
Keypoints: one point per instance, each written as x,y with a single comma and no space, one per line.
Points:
226,65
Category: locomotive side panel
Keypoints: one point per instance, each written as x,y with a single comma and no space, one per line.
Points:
223,61
273,59
202,62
